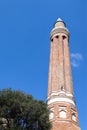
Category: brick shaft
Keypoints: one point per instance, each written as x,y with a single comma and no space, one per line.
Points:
63,112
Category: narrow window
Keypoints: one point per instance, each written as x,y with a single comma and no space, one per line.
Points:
62,88
52,40
63,37
57,36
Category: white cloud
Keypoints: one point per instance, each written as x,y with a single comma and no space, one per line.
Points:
76,59
77,56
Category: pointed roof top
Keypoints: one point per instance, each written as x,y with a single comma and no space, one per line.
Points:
59,20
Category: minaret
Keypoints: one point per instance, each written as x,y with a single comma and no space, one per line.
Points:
60,100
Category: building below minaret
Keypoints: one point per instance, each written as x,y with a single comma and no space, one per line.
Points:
60,100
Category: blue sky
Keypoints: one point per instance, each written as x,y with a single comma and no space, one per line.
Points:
25,27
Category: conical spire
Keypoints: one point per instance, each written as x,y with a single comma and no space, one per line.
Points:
59,20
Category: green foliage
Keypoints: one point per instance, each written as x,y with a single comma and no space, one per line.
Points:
20,111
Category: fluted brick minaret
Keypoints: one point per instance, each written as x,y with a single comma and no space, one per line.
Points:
60,100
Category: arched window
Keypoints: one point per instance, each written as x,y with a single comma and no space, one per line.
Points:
51,115
73,116
57,36
62,114
52,40
64,37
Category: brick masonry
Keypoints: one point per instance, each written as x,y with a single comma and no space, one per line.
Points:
63,112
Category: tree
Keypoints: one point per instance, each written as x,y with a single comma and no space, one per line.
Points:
21,111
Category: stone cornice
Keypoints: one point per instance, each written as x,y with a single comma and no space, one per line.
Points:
60,99
59,30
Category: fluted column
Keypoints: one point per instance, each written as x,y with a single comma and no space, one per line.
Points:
61,64
55,65
50,72
67,66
